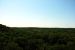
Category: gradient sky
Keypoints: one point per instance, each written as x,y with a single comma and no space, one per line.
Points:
37,13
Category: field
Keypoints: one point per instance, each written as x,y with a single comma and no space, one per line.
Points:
20,38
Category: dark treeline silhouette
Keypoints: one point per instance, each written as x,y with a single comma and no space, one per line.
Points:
4,28
36,38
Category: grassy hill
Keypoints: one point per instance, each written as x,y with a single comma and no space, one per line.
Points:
22,38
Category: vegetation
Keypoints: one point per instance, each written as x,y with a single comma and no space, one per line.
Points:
36,38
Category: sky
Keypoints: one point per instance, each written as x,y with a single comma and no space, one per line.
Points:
37,13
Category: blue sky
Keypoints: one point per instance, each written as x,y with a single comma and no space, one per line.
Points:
37,13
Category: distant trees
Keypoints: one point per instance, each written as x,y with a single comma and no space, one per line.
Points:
36,38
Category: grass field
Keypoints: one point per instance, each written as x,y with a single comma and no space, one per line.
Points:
14,38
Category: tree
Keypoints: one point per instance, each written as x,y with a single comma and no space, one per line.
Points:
4,28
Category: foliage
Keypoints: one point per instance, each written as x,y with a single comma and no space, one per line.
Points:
36,38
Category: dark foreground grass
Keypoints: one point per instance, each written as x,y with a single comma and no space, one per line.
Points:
37,38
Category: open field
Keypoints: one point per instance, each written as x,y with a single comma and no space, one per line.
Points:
13,38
